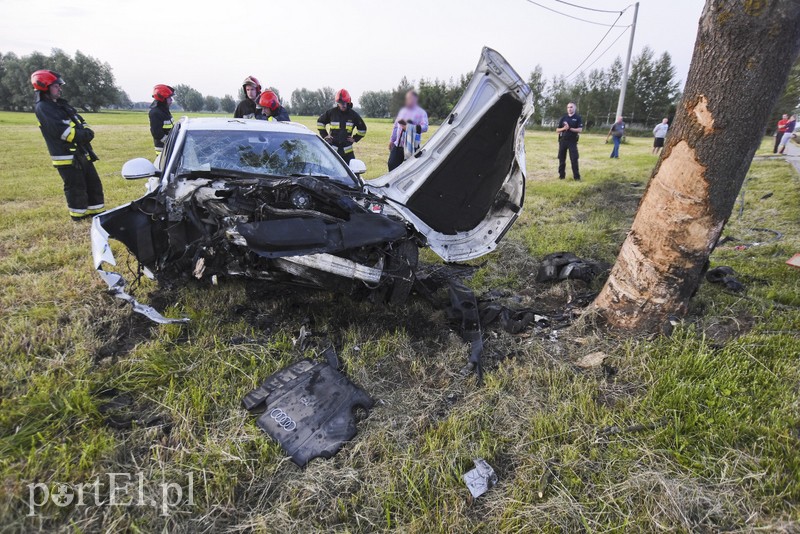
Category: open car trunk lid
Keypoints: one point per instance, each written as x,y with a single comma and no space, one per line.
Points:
465,187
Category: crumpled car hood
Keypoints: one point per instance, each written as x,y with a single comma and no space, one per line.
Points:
465,187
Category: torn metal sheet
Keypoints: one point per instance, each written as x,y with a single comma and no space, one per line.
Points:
480,479
308,409
116,283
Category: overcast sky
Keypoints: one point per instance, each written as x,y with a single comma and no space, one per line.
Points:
357,44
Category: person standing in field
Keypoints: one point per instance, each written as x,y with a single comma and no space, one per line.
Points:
160,116
411,120
788,134
346,125
569,129
271,108
246,109
659,134
617,132
779,131
68,139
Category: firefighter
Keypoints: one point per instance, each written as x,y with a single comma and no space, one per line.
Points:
160,116
247,107
68,140
271,108
343,120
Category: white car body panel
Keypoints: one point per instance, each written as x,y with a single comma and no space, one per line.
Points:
493,79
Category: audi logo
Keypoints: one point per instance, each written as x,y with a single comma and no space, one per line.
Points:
282,418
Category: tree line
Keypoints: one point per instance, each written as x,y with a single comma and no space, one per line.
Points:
652,93
90,81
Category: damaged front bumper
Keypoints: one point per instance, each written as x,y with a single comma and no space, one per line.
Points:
101,253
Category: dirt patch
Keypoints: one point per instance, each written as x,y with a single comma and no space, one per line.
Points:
121,336
722,330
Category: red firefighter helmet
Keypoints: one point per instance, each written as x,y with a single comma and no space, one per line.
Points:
162,92
43,79
343,96
251,80
269,100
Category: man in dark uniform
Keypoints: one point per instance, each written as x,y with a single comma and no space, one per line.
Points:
271,108
68,140
569,129
343,119
160,115
247,107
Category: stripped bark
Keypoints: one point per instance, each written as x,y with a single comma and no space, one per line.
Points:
742,57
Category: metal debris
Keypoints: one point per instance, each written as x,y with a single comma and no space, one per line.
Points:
480,479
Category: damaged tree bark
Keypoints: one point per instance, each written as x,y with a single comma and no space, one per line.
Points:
742,57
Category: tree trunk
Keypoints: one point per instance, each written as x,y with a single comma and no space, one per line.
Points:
742,57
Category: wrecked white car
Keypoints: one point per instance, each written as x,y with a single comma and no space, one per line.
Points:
269,200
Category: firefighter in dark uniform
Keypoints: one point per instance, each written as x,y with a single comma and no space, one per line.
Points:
160,115
569,129
68,140
346,126
246,109
271,108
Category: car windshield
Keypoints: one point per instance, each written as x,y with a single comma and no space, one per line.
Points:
273,153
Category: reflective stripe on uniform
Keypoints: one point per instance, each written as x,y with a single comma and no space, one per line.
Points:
348,149
362,133
77,212
69,133
321,125
61,160
159,150
94,210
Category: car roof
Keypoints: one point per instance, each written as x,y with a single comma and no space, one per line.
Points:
252,125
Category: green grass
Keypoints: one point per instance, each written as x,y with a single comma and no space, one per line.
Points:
694,432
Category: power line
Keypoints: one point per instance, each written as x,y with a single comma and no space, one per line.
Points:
589,8
578,18
604,51
595,46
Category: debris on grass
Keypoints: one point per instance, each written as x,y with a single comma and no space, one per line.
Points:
594,359
794,261
480,479
308,409
568,266
725,276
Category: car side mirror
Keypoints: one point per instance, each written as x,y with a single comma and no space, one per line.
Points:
139,168
358,167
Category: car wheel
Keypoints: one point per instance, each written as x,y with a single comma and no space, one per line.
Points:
400,266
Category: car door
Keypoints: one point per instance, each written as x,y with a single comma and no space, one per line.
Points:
465,187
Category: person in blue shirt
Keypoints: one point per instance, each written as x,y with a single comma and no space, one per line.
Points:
617,132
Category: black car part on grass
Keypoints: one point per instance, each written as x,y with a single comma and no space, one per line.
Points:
565,265
308,408
464,309
725,276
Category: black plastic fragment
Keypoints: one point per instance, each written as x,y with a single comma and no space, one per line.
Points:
565,265
464,308
725,276
308,409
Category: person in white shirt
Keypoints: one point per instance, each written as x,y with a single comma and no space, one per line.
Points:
660,132
412,121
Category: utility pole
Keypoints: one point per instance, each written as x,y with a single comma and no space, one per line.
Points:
624,87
